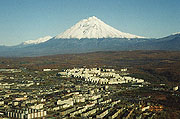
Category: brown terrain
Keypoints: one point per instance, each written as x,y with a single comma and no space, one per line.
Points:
153,65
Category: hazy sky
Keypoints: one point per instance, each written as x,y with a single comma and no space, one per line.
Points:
22,20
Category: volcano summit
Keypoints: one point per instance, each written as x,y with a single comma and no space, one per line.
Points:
93,28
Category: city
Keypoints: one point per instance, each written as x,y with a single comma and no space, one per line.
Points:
77,93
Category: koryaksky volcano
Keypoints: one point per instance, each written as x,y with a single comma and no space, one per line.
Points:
90,35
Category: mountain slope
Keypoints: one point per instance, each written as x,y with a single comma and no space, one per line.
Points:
70,46
93,28
171,42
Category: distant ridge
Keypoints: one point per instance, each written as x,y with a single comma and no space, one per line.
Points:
37,41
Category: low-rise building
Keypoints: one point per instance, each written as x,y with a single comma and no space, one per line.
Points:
26,114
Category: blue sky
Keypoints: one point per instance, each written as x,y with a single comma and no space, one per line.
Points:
22,20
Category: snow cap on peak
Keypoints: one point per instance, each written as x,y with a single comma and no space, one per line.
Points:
89,20
37,41
93,17
176,33
93,27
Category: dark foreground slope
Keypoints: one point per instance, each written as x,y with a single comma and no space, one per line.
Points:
69,46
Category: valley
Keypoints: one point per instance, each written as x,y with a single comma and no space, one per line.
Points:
113,84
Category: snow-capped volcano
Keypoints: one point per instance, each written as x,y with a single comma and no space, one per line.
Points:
37,41
93,28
